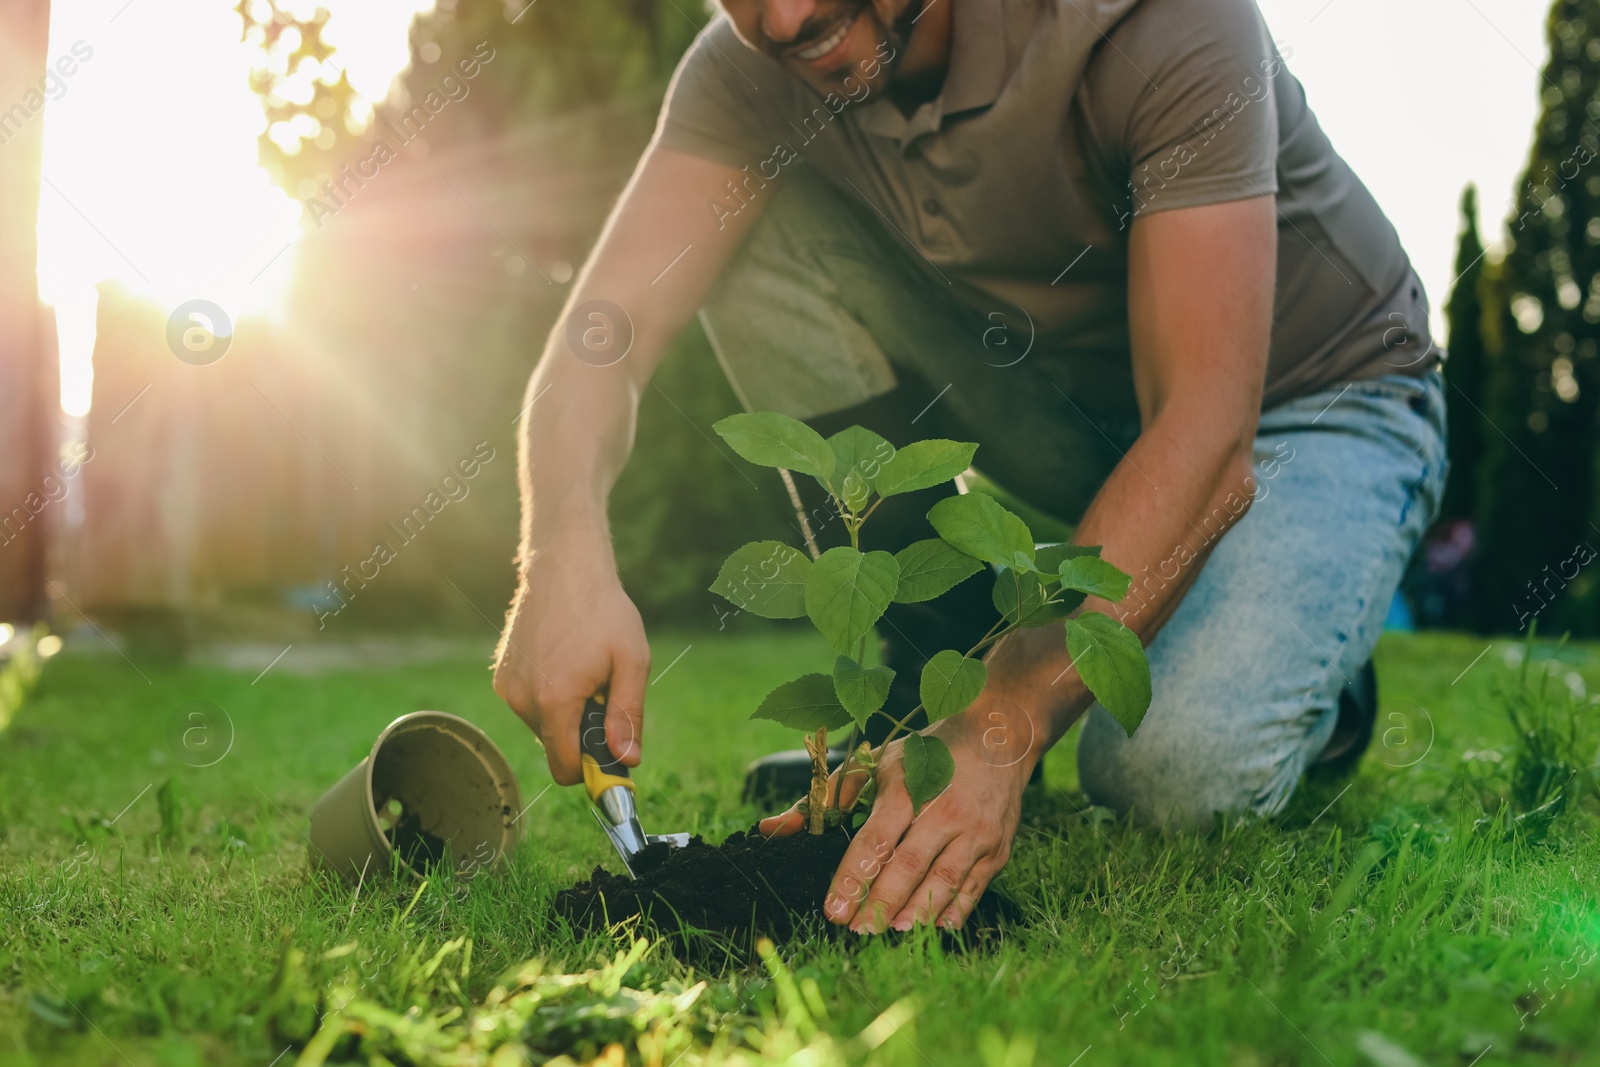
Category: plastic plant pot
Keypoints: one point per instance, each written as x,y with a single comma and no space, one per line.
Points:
458,794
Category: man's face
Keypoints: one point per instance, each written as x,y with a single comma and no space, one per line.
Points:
823,42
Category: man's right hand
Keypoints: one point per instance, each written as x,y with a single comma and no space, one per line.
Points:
573,633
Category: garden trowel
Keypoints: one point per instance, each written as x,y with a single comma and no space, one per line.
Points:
606,780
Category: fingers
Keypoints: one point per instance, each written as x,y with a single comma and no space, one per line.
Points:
903,869
554,722
854,782
783,825
937,892
955,916
553,707
870,850
630,673
557,725
930,855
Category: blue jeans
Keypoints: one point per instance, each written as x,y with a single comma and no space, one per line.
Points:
823,310
1246,673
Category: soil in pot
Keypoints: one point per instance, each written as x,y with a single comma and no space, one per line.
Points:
420,849
747,887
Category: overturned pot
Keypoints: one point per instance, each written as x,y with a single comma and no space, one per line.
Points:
433,788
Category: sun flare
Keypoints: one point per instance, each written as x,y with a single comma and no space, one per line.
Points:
151,176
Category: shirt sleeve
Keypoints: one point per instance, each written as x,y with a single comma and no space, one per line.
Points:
1186,91
710,107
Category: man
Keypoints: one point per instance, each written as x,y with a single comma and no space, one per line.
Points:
1105,239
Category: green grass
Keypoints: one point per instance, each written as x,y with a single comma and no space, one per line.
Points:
1378,925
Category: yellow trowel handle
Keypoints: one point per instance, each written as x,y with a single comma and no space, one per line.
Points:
601,770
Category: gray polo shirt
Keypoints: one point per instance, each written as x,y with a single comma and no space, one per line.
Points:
1059,123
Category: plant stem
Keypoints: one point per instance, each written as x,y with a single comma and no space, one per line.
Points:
899,725
800,512
855,731
844,768
991,637
817,801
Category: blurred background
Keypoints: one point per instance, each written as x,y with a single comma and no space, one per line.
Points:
273,276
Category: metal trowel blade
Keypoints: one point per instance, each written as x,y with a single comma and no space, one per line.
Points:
675,840
616,842
620,842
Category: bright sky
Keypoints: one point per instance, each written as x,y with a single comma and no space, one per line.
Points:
150,146
1420,97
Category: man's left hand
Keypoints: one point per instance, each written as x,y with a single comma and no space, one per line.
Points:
902,868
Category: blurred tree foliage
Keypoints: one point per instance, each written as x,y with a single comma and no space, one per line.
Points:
1534,495
579,85
307,98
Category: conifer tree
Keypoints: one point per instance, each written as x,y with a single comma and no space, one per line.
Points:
1541,327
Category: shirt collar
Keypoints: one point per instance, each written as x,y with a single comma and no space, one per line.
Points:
978,71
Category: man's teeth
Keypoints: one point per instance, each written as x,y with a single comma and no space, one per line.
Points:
822,48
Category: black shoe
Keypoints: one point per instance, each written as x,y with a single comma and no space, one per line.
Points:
783,777
1352,733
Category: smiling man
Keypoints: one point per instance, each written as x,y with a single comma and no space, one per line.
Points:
1106,240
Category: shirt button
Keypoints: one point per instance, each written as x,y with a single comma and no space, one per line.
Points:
931,206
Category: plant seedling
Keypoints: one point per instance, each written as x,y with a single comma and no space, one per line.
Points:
844,592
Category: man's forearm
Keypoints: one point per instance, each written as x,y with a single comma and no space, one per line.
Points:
578,432
659,254
1169,499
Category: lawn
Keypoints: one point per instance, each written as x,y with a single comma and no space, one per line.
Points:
155,912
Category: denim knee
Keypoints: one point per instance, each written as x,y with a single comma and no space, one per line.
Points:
1175,772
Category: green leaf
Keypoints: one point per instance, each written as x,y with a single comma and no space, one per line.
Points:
928,768
1049,558
808,703
1094,576
930,568
1112,663
950,683
977,525
1034,611
858,454
923,465
862,690
766,578
772,440
847,591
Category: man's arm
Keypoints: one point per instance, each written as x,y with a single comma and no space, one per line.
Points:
1200,293
1201,284
572,632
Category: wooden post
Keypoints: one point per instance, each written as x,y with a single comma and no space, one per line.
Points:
27,403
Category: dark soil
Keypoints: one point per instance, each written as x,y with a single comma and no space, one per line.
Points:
747,887
420,849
